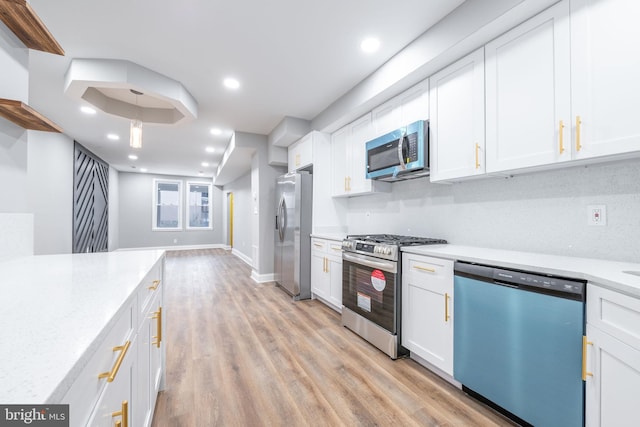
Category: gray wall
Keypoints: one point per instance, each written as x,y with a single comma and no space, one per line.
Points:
242,230
50,189
540,212
135,198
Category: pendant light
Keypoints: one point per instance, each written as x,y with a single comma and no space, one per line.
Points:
135,132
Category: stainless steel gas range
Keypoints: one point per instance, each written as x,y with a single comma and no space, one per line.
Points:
371,286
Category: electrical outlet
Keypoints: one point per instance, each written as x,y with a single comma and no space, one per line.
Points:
597,215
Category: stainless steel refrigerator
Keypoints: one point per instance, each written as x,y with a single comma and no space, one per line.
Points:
293,234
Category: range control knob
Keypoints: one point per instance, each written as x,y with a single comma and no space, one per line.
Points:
387,251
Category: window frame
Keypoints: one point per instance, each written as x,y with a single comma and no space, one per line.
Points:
188,205
154,210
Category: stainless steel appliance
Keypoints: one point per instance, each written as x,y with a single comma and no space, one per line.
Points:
518,341
401,154
292,254
371,274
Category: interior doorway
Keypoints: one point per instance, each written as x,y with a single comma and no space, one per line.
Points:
230,219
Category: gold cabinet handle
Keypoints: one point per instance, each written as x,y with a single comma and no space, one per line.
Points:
297,159
158,316
326,260
561,136
345,183
578,123
155,285
336,248
477,156
430,270
124,413
585,343
446,307
319,245
348,183
110,376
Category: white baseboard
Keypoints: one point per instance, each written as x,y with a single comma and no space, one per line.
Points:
262,278
177,248
242,256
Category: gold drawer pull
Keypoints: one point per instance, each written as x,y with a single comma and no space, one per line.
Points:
158,316
124,413
336,248
477,156
155,285
110,376
585,343
561,136
446,308
430,270
319,245
578,123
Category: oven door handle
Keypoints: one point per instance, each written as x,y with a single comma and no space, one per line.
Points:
389,266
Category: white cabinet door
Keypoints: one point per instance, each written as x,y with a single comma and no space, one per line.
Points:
528,93
360,134
427,304
301,153
339,163
605,68
334,266
319,276
119,395
612,391
457,119
414,104
386,118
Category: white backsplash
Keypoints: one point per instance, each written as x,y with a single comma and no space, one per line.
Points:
539,212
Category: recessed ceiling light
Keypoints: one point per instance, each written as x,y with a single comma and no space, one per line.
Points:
143,169
370,44
210,149
113,137
231,83
200,174
133,157
216,131
87,110
205,164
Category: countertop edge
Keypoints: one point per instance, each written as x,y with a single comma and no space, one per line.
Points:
602,273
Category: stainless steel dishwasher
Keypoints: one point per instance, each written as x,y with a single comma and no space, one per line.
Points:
518,343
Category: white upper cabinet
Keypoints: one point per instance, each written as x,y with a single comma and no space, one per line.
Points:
528,93
410,106
348,160
300,153
457,119
605,68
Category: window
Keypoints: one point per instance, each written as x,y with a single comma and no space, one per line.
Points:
198,207
167,209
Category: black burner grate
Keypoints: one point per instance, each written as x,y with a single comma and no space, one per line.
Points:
394,239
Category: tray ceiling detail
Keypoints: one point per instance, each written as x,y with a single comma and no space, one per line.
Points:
107,84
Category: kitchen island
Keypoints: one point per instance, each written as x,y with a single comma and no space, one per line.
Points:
57,312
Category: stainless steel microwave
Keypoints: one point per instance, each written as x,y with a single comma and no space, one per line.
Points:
401,154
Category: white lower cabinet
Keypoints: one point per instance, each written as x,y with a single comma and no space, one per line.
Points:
326,271
120,383
427,309
612,350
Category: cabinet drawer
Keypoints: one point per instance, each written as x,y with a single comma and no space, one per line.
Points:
334,249
86,389
319,245
428,272
614,313
150,286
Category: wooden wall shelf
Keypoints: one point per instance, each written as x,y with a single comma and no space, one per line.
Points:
27,26
26,117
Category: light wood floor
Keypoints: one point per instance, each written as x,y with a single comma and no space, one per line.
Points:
244,354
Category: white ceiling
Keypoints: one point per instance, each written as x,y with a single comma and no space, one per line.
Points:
292,57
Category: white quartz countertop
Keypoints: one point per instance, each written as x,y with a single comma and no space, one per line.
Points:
607,274
330,236
55,309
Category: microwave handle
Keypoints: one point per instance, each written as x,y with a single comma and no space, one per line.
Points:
401,164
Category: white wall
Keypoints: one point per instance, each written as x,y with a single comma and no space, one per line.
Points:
50,190
242,228
540,212
114,210
135,199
